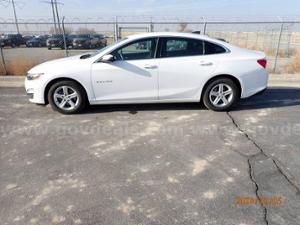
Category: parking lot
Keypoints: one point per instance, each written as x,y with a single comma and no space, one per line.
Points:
152,164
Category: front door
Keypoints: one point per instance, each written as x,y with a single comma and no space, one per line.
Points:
132,76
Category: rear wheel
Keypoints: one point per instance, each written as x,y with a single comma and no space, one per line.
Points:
221,94
67,97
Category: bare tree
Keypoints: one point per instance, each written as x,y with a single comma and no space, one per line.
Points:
84,30
183,27
68,30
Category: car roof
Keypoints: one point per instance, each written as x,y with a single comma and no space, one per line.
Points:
173,34
134,37
180,34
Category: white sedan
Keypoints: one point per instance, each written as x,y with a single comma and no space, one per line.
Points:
151,68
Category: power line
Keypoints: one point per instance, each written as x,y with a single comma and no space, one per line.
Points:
13,2
55,14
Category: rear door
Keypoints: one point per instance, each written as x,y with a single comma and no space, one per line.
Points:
183,68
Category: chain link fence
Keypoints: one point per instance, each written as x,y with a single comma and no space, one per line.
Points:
280,40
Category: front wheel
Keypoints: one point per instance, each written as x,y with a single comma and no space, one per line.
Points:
221,94
67,97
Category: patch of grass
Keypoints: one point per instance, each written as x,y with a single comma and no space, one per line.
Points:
283,53
294,65
18,66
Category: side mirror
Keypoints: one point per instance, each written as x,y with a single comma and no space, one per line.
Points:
107,58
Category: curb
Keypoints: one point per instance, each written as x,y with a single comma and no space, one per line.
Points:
12,81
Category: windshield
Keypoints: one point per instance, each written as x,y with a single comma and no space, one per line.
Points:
82,36
8,36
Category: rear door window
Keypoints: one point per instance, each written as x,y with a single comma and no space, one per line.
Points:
180,47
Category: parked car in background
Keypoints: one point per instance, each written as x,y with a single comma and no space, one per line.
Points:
171,67
36,42
70,39
57,41
27,38
85,41
221,39
102,41
11,40
1,43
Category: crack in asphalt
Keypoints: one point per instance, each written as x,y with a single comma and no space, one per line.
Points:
249,158
262,153
247,136
256,192
289,178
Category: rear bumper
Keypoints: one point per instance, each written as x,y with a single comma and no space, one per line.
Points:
254,83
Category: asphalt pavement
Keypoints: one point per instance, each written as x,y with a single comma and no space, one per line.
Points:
151,164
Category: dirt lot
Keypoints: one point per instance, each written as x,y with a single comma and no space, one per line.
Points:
151,164
19,60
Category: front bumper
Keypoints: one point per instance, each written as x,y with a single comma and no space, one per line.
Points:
80,45
34,91
54,45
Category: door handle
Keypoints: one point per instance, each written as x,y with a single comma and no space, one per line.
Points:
206,64
150,67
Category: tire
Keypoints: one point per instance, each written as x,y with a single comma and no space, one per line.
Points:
59,97
223,100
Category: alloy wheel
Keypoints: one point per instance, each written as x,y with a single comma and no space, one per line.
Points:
221,95
66,98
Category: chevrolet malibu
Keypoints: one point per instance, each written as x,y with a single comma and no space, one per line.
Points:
151,68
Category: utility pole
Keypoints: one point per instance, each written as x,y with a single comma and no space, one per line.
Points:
57,15
15,14
54,20
54,4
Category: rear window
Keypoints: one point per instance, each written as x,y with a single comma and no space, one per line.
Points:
57,36
210,48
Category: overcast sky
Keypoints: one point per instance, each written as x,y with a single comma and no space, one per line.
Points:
83,9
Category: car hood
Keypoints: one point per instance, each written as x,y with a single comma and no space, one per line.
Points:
58,64
33,41
54,64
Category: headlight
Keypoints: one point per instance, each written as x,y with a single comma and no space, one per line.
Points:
34,76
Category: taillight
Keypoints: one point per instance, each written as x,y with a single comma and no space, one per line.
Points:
262,62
